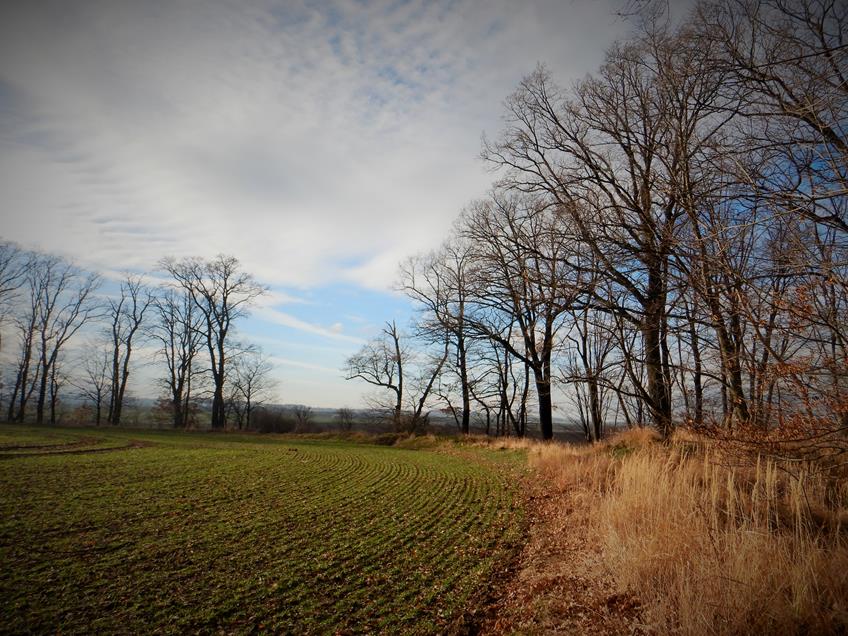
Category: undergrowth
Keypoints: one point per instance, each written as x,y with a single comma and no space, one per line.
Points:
710,538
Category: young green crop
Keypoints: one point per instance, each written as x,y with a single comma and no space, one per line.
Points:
215,532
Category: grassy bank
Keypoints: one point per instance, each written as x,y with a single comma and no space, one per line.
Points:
705,538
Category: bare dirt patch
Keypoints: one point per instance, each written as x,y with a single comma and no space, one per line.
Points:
561,585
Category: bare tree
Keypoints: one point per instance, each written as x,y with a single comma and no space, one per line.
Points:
500,383
251,383
58,379
95,383
524,284
345,418
609,154
302,417
380,362
126,316
789,63
587,370
64,306
13,266
177,329
423,384
222,293
439,283
26,322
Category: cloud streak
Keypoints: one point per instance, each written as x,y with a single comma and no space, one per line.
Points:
287,320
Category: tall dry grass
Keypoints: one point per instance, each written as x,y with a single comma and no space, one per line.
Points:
711,542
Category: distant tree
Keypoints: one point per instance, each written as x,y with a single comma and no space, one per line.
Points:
222,293
302,417
591,344
26,323
64,305
424,385
410,377
380,362
439,283
13,264
344,416
500,384
176,328
525,283
251,383
95,383
126,316
163,411
58,379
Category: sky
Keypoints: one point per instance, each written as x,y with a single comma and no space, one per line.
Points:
320,143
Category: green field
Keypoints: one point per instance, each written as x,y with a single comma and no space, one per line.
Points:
129,531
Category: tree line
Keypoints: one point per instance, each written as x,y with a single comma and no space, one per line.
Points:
665,241
189,318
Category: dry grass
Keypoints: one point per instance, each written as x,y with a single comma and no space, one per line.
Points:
711,541
561,584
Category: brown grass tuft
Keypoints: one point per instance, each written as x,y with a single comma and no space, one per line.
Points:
709,543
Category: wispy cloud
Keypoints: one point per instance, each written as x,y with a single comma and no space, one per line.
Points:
299,364
287,320
318,142
297,135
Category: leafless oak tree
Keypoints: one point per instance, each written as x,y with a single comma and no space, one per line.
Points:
222,293
176,328
380,362
126,316
439,283
64,303
95,383
13,265
251,383
523,286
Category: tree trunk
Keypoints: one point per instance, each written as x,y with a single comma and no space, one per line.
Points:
218,414
185,412
119,402
543,389
652,332
595,408
399,391
466,393
113,392
42,394
177,408
740,404
26,394
697,371
522,410
13,399
54,397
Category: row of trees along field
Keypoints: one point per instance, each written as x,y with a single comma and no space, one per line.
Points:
188,319
666,240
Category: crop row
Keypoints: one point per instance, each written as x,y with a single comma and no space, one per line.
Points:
307,537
